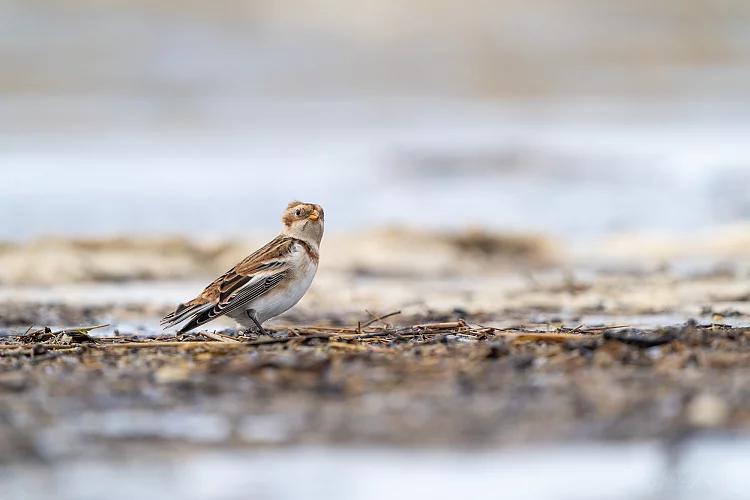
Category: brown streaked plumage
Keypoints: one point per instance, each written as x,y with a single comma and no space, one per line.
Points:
314,255
266,283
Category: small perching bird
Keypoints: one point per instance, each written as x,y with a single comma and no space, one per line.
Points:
265,284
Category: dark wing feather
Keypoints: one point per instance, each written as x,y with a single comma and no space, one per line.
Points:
255,289
248,280
183,312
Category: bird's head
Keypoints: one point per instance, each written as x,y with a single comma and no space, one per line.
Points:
304,221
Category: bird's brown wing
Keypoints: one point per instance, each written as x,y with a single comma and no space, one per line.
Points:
248,280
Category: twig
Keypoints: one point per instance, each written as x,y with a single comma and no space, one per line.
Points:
441,326
220,338
126,345
83,329
600,328
355,347
542,336
381,318
35,332
169,343
340,329
370,335
548,337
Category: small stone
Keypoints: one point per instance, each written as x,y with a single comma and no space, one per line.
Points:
654,353
39,349
498,350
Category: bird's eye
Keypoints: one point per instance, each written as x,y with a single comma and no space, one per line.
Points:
298,212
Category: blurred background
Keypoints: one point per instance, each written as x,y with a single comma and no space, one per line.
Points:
522,146
206,118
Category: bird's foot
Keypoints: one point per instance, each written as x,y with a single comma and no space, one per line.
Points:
251,315
247,334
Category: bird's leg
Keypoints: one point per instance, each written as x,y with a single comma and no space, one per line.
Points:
251,315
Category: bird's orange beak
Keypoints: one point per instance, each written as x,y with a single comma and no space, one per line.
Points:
314,215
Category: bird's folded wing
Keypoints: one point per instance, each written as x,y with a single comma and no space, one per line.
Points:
253,288
248,280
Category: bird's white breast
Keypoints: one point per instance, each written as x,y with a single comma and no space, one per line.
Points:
282,298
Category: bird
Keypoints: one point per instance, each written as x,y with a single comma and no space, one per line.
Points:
265,284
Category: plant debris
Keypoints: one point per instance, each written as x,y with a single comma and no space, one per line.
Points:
425,383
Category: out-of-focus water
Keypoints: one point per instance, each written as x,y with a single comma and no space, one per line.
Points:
637,471
572,118
440,165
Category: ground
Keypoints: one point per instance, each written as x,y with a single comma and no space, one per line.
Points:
515,348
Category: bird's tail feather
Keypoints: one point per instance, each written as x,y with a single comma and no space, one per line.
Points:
189,310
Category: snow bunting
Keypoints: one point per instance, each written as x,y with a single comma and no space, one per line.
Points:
265,284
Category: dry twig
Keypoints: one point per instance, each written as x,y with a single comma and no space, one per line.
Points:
381,318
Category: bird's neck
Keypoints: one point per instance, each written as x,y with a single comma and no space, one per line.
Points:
312,240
